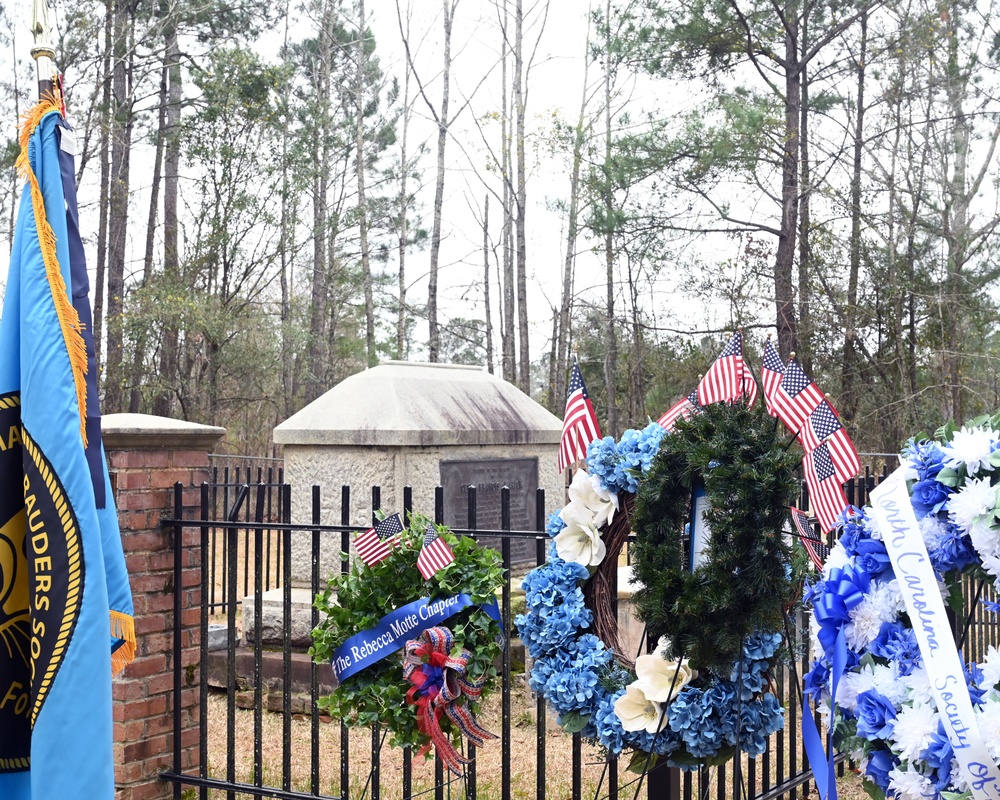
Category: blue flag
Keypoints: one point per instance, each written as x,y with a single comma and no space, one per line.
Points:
65,605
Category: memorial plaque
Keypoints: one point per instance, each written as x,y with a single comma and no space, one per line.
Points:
520,475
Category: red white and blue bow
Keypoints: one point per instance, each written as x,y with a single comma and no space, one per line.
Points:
441,687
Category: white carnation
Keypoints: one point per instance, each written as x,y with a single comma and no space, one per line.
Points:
910,785
918,686
837,559
933,529
913,730
970,447
851,685
885,681
988,718
877,607
991,668
973,500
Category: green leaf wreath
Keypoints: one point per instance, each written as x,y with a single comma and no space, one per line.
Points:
356,600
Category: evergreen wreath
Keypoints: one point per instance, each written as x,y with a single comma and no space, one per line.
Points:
706,689
356,601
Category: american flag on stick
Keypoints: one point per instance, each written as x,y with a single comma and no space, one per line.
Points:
434,555
580,426
377,542
826,493
811,541
824,427
724,379
795,398
682,409
771,373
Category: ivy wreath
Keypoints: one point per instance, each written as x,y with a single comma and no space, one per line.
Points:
706,687
356,601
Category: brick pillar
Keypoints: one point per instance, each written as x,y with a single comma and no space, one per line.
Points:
147,455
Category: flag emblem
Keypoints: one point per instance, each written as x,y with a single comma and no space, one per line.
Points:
434,555
377,542
682,409
826,494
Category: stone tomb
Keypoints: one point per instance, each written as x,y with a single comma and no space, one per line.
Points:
419,425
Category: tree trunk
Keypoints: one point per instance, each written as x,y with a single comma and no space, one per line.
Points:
121,142
171,251
359,141
107,118
849,366
611,357
486,284
434,344
139,356
403,208
524,360
805,191
785,256
506,250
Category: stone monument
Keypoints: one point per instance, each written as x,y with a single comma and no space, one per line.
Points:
419,425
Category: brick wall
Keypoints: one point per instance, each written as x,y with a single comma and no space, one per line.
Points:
144,466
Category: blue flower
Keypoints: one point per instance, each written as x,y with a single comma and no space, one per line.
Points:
899,644
880,764
876,715
974,678
871,556
554,524
938,755
926,457
817,680
928,497
954,550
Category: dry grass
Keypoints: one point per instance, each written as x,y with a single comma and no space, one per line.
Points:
558,761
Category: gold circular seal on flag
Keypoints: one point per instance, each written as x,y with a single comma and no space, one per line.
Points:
15,623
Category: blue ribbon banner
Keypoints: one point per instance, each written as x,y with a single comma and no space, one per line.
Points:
396,628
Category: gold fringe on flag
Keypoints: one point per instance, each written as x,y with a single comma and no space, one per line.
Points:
69,320
122,627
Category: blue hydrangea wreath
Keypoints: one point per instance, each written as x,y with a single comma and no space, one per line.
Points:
577,665
886,714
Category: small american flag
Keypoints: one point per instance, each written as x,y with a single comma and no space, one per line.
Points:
823,426
724,379
434,555
815,547
826,494
580,426
682,409
376,543
771,373
749,386
795,397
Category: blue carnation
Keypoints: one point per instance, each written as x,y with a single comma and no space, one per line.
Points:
954,550
926,457
898,644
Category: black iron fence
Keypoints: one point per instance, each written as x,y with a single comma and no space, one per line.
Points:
260,731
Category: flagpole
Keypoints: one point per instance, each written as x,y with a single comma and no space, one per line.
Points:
43,50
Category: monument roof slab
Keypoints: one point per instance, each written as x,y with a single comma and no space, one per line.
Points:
425,405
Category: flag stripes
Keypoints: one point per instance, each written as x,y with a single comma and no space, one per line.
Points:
826,494
434,554
580,426
377,542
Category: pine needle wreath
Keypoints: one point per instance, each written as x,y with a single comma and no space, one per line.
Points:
748,475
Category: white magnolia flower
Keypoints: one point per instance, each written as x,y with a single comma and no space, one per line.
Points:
991,668
637,712
988,718
913,730
910,785
581,544
970,504
661,680
970,447
587,490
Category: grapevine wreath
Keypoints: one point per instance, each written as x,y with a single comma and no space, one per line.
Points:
427,690
919,721
708,682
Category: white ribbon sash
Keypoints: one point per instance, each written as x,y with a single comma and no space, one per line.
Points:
901,534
